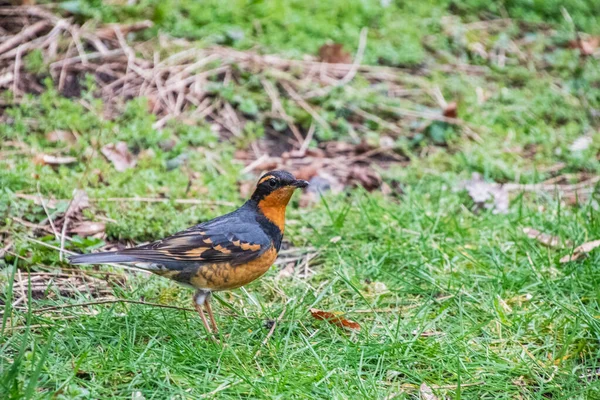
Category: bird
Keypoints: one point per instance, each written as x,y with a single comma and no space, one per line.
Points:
224,253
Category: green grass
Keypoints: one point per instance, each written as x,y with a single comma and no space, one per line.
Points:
503,317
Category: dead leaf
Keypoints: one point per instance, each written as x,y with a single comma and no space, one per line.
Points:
427,333
88,228
308,172
451,110
386,190
543,238
488,195
580,251
267,165
119,155
335,319
363,147
334,54
426,392
288,271
586,46
365,176
60,136
335,239
47,159
79,202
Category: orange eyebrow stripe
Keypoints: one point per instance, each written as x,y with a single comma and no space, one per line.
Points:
266,178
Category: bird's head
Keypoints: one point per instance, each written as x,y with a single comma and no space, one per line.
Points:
273,192
277,187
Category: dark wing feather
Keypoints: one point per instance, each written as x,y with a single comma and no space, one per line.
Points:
223,240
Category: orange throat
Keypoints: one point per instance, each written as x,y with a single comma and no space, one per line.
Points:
273,205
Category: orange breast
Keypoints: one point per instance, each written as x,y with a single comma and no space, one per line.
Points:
225,276
273,206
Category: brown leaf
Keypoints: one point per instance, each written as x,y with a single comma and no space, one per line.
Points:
580,251
79,202
451,110
335,319
386,190
334,54
47,159
288,271
427,333
60,136
426,393
243,155
119,155
88,228
365,176
267,165
363,147
587,46
543,238
307,172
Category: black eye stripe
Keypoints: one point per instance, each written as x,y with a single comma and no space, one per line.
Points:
272,182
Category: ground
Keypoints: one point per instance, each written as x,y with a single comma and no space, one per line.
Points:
454,292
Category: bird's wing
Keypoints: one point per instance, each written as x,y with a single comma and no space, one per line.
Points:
229,240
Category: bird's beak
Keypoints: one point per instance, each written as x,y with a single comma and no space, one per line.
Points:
299,183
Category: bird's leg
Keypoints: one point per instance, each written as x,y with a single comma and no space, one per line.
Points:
199,299
210,314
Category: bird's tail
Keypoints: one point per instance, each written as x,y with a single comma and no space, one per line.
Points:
102,258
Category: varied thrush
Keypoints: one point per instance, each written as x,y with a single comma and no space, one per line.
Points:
224,253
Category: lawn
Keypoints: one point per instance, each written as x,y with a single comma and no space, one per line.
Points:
462,161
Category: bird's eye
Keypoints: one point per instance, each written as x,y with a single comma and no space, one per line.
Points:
273,182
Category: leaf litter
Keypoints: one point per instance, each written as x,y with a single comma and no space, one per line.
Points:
581,251
335,318
544,238
175,87
119,155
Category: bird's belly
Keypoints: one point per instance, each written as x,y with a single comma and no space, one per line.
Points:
225,276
